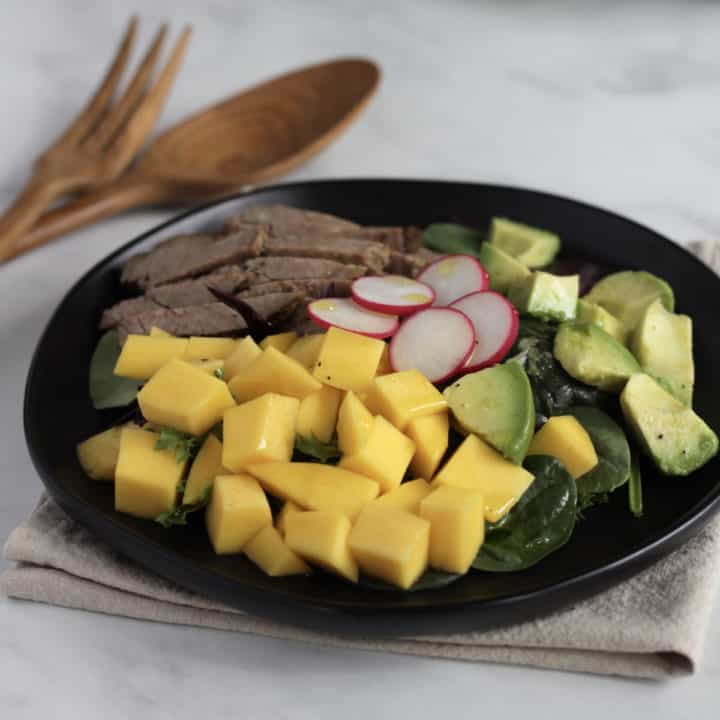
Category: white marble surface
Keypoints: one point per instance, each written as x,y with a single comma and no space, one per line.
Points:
614,103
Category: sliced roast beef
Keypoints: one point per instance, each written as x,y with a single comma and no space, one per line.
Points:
187,256
231,279
213,318
126,310
310,287
411,263
297,268
284,219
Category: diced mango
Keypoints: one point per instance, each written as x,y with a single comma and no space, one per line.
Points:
406,497
142,356
159,332
246,350
313,486
563,437
274,372
384,366
209,348
390,544
288,508
353,425
184,397
146,479
237,511
281,341
261,430
430,435
270,553
318,413
306,350
384,456
98,454
477,466
321,537
210,367
348,361
206,466
402,396
457,527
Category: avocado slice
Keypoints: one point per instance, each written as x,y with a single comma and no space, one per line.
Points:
676,438
597,315
504,270
531,246
590,355
662,343
626,295
546,296
496,404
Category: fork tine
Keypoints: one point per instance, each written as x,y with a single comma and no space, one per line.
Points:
132,135
127,103
104,93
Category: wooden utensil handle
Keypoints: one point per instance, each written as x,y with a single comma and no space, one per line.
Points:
124,193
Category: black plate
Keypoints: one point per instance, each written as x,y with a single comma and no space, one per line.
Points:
607,546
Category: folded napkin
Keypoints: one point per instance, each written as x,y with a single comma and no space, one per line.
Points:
650,626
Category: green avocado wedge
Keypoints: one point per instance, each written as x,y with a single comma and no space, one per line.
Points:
504,270
531,246
496,404
545,296
676,438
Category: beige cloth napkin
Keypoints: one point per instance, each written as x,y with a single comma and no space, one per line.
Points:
650,626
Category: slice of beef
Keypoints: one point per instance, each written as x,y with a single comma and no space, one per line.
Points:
310,287
284,219
230,279
297,268
126,310
213,318
411,263
187,256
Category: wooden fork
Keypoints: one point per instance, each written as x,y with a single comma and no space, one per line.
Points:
101,141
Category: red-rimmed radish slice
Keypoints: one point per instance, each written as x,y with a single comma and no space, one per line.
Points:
392,294
436,341
453,276
495,320
345,314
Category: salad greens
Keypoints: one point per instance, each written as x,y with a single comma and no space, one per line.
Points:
178,515
450,238
316,450
183,445
108,390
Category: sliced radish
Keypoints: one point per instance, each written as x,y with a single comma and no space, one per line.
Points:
495,320
436,341
345,314
453,276
392,294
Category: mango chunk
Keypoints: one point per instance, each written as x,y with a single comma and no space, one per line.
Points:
403,396
159,332
237,511
348,361
406,497
206,466
288,508
261,430
430,435
246,350
563,437
384,456
353,425
142,356
391,544
146,479
306,350
477,466
457,527
98,454
318,413
270,553
280,341
209,367
313,486
209,348
275,372
321,537
184,397
384,366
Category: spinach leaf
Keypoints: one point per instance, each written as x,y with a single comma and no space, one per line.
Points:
635,497
108,390
613,453
429,580
183,445
317,450
451,238
541,522
178,515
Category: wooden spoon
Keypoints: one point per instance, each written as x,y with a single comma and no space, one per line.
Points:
249,138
